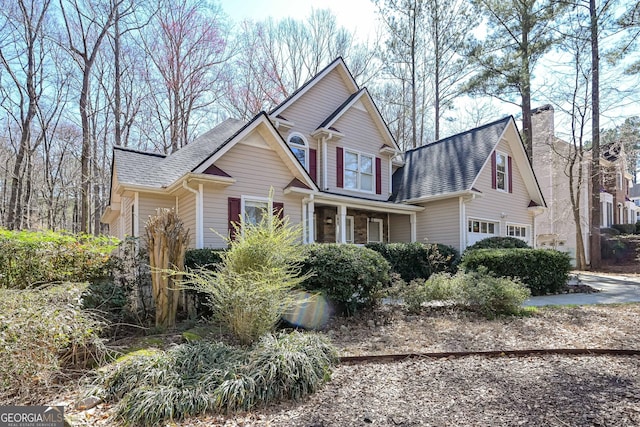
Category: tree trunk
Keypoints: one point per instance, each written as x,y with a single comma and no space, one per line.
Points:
85,156
595,219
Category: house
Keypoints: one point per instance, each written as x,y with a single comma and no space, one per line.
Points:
334,168
556,227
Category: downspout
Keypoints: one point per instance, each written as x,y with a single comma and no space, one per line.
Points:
463,228
324,164
199,239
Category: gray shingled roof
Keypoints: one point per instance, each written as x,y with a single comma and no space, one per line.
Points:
154,170
448,165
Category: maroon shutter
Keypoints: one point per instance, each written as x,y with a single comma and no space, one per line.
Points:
510,171
313,162
339,167
493,170
378,175
234,215
278,209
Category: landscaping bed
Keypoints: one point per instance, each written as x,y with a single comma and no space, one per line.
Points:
532,390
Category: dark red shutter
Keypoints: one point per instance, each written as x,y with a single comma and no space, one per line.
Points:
278,209
313,162
234,215
510,171
378,175
493,170
339,167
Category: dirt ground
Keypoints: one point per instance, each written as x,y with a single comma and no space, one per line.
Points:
465,391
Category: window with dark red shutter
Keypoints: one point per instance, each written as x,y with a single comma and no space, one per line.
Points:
278,209
493,170
510,172
313,162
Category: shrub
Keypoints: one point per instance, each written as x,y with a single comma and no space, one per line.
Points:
42,331
250,290
606,231
199,377
490,295
637,227
543,271
625,228
439,287
498,242
208,258
351,277
612,248
417,260
28,259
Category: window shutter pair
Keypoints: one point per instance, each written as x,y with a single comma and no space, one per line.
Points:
235,210
340,170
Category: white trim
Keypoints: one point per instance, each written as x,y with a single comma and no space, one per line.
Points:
527,227
506,171
412,221
244,199
311,217
380,223
136,214
463,224
350,232
468,193
342,223
324,164
200,217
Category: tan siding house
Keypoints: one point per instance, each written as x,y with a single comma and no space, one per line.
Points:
331,165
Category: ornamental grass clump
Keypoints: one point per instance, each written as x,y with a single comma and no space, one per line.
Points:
200,377
251,287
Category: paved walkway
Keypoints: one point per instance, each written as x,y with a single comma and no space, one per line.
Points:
613,289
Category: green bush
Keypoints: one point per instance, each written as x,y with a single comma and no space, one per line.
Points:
42,331
490,295
199,377
351,277
609,231
478,290
209,258
28,259
417,260
498,242
543,271
612,248
250,290
637,227
625,228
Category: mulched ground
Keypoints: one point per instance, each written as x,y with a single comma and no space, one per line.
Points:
465,391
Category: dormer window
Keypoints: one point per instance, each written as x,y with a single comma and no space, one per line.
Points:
300,148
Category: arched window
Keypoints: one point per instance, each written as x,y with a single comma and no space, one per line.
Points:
300,148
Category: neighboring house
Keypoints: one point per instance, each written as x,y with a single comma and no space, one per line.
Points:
634,195
335,169
556,227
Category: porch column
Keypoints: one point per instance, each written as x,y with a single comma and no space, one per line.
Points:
412,218
305,224
342,213
312,226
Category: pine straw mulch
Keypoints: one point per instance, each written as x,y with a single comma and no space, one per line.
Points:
467,391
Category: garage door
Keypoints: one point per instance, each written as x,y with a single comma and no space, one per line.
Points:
479,229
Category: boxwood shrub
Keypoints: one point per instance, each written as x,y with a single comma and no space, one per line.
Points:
543,271
625,228
417,260
498,242
350,277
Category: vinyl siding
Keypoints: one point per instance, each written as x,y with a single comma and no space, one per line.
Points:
399,228
439,223
256,171
148,205
127,202
187,212
501,206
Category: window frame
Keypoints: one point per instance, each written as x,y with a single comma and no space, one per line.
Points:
380,223
297,146
481,222
350,230
245,199
505,181
359,155
517,231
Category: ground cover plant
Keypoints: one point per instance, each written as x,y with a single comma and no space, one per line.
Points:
41,331
199,377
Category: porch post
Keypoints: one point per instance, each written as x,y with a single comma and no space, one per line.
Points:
312,226
412,217
305,225
342,212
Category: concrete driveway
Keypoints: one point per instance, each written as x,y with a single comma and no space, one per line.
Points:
613,289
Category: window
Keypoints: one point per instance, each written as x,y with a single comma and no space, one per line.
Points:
299,147
484,227
358,171
348,226
517,231
254,210
374,232
501,172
